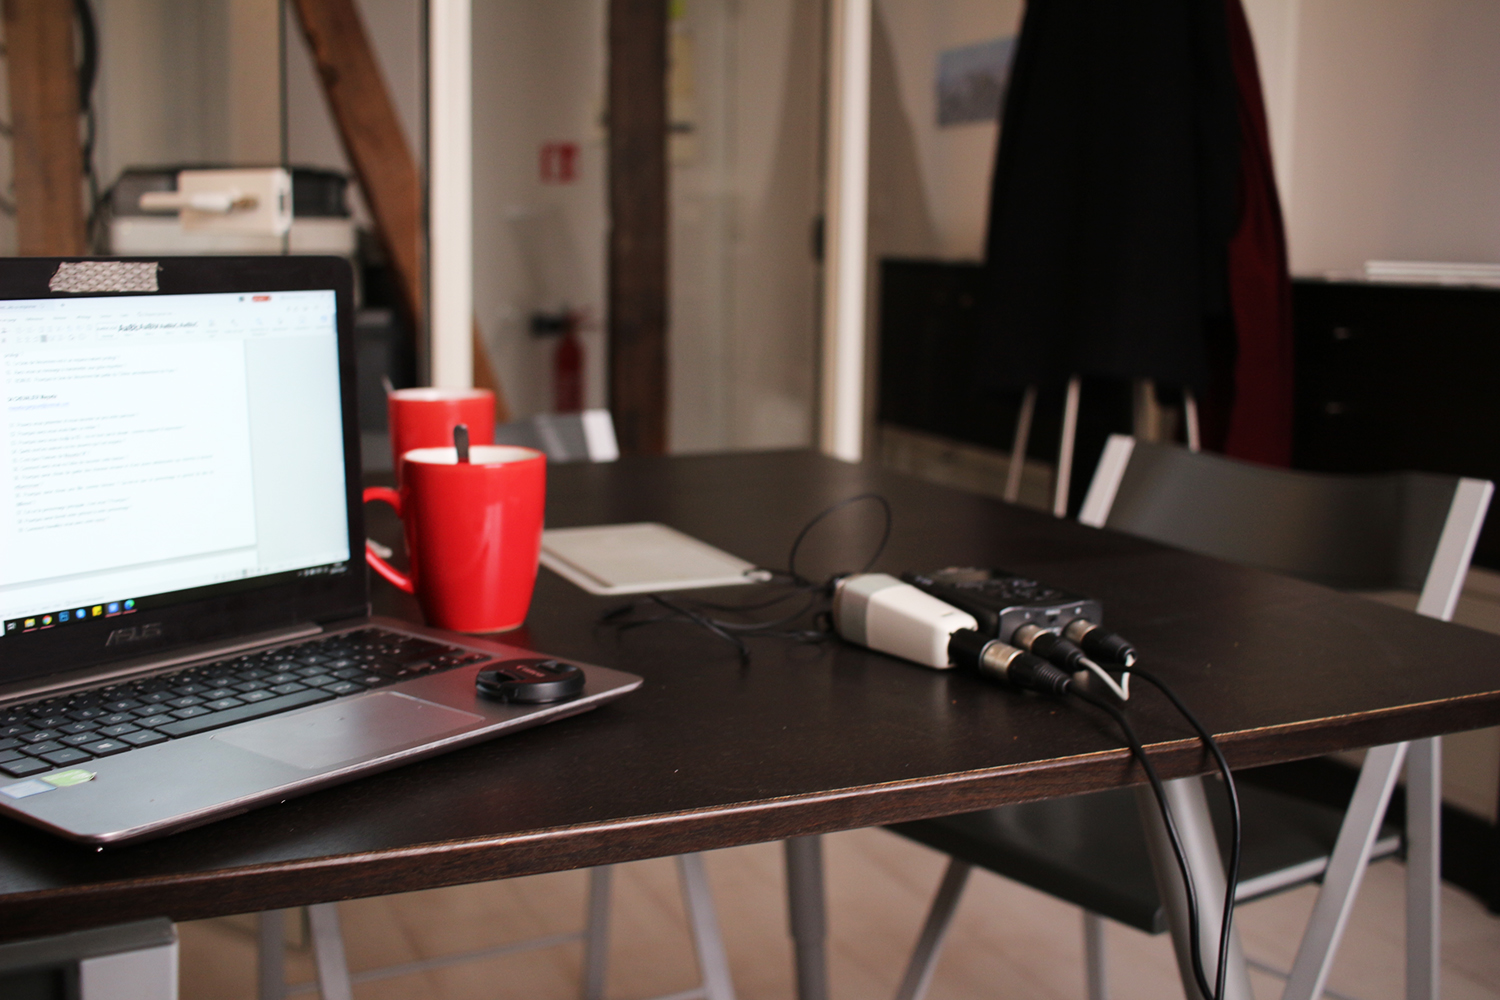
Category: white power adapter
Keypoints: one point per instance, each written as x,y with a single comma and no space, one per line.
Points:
881,612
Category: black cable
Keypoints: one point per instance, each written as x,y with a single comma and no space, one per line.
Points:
88,62
697,611
799,582
769,602
730,632
1194,945
88,75
885,506
733,640
1234,814
812,602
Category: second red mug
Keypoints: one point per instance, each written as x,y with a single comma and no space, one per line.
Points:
425,418
473,534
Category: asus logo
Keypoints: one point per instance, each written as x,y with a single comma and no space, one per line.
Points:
135,633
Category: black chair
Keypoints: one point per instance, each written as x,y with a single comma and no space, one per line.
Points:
1401,531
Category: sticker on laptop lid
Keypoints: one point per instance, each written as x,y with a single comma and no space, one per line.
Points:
72,776
31,786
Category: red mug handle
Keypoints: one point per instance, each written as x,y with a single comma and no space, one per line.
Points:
385,569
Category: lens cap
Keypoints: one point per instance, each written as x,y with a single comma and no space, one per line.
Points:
531,682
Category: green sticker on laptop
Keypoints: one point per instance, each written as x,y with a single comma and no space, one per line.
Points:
72,776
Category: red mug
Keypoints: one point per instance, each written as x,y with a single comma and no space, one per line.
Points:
425,418
473,534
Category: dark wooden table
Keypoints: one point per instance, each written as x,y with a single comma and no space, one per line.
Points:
807,738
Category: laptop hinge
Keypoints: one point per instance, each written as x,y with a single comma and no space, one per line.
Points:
94,676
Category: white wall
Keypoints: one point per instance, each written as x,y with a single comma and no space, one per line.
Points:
744,198
1387,128
163,90
538,77
953,163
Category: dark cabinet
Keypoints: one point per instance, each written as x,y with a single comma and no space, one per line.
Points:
929,380
1399,377
929,347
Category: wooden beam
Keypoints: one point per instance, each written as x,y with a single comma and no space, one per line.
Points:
638,223
377,149
47,151
372,137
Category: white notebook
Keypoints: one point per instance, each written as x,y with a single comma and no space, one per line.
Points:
639,559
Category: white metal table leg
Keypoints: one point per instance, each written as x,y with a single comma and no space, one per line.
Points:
804,889
596,934
1095,969
328,952
1189,807
1424,804
713,963
270,961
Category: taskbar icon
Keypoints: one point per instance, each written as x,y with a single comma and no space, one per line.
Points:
68,616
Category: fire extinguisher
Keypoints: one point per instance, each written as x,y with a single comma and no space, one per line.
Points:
567,369
567,356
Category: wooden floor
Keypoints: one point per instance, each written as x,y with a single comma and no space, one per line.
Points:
1007,941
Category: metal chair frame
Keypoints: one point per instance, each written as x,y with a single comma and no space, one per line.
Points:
1345,867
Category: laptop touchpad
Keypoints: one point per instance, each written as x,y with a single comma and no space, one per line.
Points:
348,730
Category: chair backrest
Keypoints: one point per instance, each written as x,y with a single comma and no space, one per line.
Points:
1404,530
588,436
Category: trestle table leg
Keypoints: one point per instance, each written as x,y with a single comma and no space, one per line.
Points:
1424,810
804,887
1189,807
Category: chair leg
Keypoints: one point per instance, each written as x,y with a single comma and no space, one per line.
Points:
596,934
328,952
713,963
805,905
1424,804
1064,475
1145,415
1346,868
1095,970
270,961
1018,446
1190,419
924,957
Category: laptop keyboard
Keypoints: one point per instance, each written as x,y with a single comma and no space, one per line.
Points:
67,729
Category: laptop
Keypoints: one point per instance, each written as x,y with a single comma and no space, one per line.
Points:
183,598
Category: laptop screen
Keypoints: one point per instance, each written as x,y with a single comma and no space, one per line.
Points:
174,467
155,445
